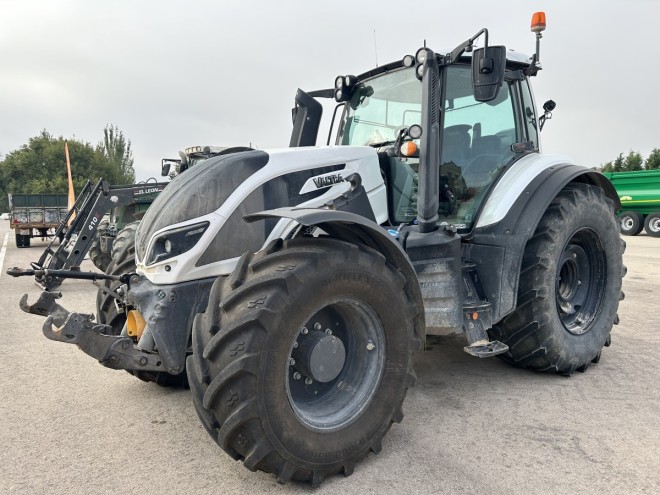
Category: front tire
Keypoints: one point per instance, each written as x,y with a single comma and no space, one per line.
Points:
302,359
570,285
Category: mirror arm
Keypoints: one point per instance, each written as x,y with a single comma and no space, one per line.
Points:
466,46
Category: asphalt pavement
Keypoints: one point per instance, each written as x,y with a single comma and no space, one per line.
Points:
70,426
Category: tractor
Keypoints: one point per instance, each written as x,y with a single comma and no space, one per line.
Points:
292,286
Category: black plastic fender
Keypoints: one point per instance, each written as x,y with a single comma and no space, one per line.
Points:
354,228
497,249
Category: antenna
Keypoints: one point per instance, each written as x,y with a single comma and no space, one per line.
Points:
375,48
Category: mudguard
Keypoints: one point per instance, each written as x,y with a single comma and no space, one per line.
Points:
497,248
355,228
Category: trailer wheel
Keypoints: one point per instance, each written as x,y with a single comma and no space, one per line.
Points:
123,261
631,222
22,241
100,259
570,285
302,359
652,224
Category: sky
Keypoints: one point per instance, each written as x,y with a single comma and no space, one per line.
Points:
172,73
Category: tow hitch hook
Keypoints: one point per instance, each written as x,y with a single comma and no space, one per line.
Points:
112,351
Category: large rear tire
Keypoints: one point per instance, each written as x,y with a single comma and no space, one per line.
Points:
570,285
302,359
100,259
123,261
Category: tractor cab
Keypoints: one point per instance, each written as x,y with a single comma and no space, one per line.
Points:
478,139
465,143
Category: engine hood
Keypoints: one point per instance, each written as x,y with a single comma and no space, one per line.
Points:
222,190
197,192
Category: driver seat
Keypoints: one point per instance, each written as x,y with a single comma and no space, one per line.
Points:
456,144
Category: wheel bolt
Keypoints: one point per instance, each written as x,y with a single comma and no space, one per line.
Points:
292,361
297,376
328,331
574,255
370,346
295,344
305,331
308,381
317,326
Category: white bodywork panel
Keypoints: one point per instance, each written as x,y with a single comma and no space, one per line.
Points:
515,180
362,160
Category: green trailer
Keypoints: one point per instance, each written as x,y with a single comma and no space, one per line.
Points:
639,193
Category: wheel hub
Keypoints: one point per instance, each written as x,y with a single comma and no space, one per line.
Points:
573,267
320,356
627,223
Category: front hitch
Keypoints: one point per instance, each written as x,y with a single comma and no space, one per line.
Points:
112,351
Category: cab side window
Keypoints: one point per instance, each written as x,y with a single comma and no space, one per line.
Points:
477,139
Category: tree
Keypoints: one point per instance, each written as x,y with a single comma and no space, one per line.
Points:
633,162
117,149
653,161
40,167
616,166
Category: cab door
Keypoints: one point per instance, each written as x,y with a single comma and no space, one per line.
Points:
477,143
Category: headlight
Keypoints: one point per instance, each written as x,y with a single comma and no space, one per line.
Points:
173,242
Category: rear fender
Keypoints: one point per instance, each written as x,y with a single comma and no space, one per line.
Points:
497,248
354,228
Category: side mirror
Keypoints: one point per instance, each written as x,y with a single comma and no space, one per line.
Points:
164,168
165,165
306,120
488,72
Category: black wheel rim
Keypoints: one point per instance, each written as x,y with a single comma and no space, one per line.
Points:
351,383
581,281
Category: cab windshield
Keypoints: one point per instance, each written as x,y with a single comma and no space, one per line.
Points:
380,107
477,139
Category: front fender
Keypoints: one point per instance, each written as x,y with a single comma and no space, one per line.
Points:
357,229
